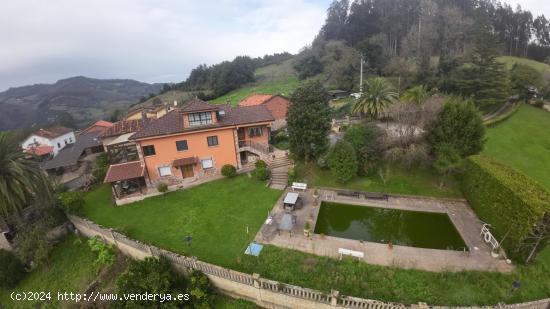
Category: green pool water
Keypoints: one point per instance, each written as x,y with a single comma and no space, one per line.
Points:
401,227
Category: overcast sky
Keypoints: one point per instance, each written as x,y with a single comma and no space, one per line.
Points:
151,41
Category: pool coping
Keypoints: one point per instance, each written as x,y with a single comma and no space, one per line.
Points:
461,215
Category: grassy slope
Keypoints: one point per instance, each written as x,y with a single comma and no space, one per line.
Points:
417,181
71,268
284,87
509,61
523,142
215,214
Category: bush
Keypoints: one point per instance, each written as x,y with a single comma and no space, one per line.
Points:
105,252
343,161
72,202
101,165
229,170
262,173
260,164
162,187
517,207
11,270
292,176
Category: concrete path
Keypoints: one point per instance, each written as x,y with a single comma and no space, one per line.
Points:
469,226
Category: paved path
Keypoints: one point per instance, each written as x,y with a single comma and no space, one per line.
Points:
466,222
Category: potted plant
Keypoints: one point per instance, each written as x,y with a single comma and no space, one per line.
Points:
315,193
307,229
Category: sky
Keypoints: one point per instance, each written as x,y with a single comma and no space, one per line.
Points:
151,40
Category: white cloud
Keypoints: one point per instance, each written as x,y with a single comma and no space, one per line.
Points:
155,41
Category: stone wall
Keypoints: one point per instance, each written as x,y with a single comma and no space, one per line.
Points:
264,292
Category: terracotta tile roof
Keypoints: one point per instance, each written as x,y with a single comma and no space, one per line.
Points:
172,122
39,150
53,132
124,171
185,161
103,123
123,127
255,99
197,105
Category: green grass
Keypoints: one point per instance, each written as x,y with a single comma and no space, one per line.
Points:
215,214
509,61
284,87
416,181
523,142
70,269
356,278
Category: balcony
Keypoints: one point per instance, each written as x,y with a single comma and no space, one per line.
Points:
254,147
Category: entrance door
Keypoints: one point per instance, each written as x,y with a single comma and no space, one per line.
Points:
241,134
187,171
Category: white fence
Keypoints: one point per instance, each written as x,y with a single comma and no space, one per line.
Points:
264,292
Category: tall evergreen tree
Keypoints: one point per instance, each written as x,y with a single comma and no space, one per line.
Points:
343,161
308,121
483,78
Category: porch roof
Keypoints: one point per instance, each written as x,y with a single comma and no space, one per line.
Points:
124,171
185,161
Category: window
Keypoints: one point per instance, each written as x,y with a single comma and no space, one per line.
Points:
200,118
149,150
58,145
70,139
66,142
207,163
181,145
255,131
165,171
212,140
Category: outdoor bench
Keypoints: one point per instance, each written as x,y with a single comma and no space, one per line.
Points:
376,196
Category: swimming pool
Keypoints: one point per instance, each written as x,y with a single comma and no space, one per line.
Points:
401,227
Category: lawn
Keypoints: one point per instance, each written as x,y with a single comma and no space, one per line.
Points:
509,61
70,269
284,87
216,215
391,284
416,181
523,142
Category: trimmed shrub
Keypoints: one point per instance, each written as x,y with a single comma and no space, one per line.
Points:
11,270
343,161
260,164
262,173
517,207
72,202
229,170
291,176
162,187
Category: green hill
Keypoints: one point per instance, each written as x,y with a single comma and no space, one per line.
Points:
509,61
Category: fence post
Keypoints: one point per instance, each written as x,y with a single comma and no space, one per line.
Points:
334,298
258,286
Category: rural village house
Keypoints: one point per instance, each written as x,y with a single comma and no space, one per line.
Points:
191,143
276,104
57,137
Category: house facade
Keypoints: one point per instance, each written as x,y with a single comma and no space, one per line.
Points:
193,143
57,136
276,104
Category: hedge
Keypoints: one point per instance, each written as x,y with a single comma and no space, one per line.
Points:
508,200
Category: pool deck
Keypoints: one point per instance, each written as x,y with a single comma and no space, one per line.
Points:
466,222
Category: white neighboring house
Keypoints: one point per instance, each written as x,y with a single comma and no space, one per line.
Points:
57,136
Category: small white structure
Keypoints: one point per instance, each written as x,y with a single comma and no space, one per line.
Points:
57,136
357,254
488,237
299,186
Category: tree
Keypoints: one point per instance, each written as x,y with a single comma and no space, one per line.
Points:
343,161
360,137
416,95
72,202
101,165
483,78
522,78
458,125
378,95
11,269
308,121
21,180
336,20
152,275
447,161
308,66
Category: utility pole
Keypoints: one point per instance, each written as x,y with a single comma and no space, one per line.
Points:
361,77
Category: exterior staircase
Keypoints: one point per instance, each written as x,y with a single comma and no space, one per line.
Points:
279,166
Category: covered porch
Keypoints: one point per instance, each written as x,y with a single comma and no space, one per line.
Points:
127,179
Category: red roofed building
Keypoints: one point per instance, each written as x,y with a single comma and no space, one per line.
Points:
98,127
276,104
56,136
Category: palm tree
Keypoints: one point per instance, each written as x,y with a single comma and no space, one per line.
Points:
21,180
416,95
378,95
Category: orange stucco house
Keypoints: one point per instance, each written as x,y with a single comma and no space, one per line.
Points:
192,143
